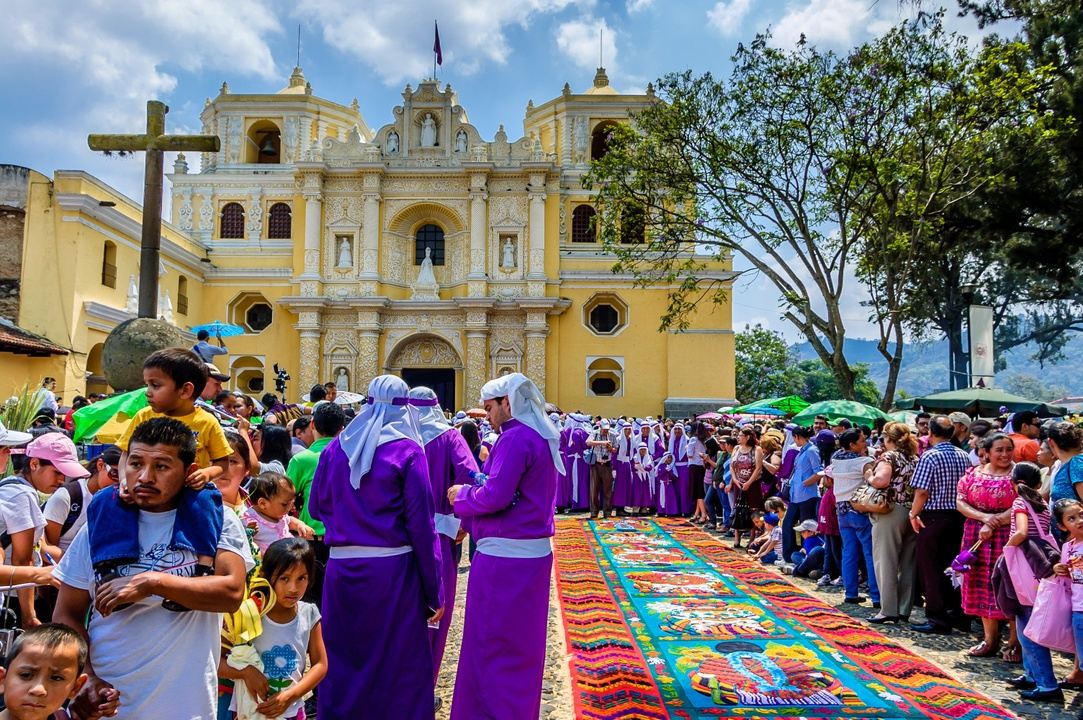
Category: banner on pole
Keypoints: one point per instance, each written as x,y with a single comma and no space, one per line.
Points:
981,346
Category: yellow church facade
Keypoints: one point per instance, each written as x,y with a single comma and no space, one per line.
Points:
345,251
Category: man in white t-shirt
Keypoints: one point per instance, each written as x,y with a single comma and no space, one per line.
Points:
163,663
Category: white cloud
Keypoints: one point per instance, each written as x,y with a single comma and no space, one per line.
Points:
726,16
395,39
578,40
830,22
636,6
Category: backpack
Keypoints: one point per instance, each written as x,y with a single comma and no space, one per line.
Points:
5,538
75,492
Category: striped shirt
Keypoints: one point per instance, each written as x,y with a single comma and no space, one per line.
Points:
938,471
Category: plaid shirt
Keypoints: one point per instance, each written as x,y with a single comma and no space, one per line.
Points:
938,471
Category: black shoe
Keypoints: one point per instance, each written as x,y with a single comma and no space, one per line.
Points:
929,628
876,604
1055,695
1065,685
881,619
854,600
1022,682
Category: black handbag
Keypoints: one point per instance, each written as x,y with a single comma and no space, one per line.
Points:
742,513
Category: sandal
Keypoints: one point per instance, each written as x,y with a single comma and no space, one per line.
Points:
1012,654
983,649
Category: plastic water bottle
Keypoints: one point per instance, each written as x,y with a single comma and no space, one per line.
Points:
479,478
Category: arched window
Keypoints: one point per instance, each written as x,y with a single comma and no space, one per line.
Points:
264,144
583,224
182,295
599,140
632,226
605,377
431,237
109,265
280,222
232,222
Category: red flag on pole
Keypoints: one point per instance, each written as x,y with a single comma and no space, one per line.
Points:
436,45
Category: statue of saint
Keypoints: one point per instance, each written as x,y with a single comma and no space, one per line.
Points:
165,307
342,380
392,142
345,254
131,303
460,141
508,258
426,287
428,131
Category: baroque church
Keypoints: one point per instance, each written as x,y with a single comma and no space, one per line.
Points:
416,247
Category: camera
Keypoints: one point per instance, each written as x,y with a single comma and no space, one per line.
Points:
281,378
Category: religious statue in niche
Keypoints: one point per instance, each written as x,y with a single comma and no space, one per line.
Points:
132,301
342,380
426,287
392,142
507,254
460,141
345,253
428,131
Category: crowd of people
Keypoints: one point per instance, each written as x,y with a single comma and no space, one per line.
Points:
301,560
908,515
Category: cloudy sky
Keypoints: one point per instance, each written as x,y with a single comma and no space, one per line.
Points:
72,68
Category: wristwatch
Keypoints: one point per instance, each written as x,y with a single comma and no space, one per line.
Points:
913,514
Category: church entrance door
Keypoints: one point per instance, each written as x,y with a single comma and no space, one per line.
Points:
441,380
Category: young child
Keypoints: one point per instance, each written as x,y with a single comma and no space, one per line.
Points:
1038,681
1069,516
666,473
291,629
175,377
43,671
270,499
810,558
765,547
829,529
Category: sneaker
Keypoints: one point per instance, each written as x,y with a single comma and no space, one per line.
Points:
787,569
837,582
824,581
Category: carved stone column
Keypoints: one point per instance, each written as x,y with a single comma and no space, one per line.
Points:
537,329
370,246
311,187
368,361
478,230
308,323
535,263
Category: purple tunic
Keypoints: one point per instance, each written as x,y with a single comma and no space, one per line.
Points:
564,484
502,660
666,500
577,470
450,463
375,608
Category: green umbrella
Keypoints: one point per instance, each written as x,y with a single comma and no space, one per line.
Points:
89,420
903,416
981,402
855,412
789,405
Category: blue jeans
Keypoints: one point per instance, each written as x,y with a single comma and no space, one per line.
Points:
804,563
832,556
113,525
713,500
796,513
857,543
769,558
1077,631
1037,662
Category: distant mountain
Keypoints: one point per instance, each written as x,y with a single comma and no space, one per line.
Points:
925,367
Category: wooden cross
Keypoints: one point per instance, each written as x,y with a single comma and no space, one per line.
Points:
154,142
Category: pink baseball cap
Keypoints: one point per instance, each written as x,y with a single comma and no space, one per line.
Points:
58,449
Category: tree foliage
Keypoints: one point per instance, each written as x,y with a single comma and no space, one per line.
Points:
763,364
814,168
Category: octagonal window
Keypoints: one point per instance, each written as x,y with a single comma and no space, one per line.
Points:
605,314
605,376
258,317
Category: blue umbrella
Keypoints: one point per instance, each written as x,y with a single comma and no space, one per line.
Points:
762,411
219,329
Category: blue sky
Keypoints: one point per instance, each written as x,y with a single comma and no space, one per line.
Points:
72,68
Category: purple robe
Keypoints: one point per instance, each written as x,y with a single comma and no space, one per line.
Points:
564,484
666,500
642,487
577,470
450,463
622,473
375,609
502,660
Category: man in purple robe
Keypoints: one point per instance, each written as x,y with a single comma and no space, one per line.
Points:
577,471
382,585
450,463
507,601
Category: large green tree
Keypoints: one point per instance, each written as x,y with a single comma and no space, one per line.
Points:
811,167
764,364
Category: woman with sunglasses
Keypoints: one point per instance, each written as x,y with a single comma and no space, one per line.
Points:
65,511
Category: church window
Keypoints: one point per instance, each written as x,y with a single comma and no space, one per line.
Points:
604,318
583,224
258,317
264,144
109,265
232,222
605,314
429,237
182,295
632,226
280,222
599,140
605,376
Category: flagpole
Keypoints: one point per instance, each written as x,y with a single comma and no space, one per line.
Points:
435,28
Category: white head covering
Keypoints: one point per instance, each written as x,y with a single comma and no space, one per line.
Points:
527,406
677,444
386,415
578,421
626,446
432,422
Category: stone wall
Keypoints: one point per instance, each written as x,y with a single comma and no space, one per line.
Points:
13,189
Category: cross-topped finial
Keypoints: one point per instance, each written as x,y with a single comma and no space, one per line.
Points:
154,142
